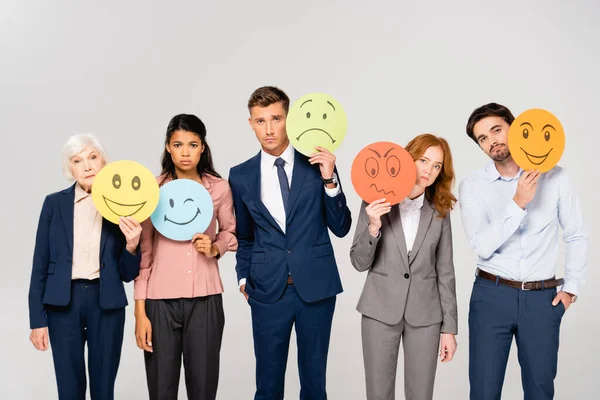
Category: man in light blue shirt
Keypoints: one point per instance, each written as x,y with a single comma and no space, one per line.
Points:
511,218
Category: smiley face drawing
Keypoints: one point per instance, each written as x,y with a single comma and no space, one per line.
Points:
383,170
316,119
184,209
125,188
536,140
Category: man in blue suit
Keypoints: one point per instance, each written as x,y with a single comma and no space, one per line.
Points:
284,204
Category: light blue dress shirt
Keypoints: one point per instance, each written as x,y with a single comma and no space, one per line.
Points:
519,244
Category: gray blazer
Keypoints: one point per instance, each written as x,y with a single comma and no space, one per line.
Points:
419,287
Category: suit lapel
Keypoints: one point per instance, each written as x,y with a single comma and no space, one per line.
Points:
253,185
66,211
424,222
395,221
301,167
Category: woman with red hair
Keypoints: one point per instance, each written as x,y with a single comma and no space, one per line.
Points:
409,295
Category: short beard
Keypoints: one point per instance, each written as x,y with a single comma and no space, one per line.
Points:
500,155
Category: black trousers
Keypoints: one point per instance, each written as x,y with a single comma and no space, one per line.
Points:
192,328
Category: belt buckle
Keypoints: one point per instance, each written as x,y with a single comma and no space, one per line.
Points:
523,287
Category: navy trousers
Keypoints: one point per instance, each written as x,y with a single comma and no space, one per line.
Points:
497,313
70,327
272,327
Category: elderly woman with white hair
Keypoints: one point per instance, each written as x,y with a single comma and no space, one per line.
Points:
80,262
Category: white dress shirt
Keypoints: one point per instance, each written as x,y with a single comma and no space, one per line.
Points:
410,214
270,190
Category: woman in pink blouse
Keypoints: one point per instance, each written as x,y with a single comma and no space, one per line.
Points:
178,304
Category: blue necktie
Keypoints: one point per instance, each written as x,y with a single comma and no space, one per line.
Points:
283,181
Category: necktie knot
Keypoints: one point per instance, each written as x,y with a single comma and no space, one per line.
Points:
279,162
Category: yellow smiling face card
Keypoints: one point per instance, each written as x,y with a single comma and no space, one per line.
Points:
536,140
125,188
316,119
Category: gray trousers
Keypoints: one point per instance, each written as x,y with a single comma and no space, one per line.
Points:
381,344
192,328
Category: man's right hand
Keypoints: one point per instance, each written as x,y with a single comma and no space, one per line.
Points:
243,291
374,211
526,188
39,338
143,333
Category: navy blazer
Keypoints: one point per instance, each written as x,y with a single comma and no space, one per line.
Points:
265,254
52,260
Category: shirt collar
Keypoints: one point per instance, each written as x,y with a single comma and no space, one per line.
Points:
493,174
287,155
80,194
413,204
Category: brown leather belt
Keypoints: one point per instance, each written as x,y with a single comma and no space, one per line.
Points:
290,281
533,285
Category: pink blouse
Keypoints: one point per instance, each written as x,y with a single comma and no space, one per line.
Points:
172,269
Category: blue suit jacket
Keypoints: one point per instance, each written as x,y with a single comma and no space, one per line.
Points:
265,254
52,260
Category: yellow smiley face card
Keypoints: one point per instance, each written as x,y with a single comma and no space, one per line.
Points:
125,188
536,140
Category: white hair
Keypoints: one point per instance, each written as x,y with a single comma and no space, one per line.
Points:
75,145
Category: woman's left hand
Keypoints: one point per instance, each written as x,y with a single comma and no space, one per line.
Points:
447,347
205,245
132,231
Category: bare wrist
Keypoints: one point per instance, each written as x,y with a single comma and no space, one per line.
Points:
374,231
518,202
140,308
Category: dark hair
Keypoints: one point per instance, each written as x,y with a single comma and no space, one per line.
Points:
488,110
189,123
267,95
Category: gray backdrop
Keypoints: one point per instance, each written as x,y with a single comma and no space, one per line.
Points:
123,69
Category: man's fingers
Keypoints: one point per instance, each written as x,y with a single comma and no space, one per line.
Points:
532,175
323,150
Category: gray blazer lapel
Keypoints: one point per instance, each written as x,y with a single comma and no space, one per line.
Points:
424,222
396,224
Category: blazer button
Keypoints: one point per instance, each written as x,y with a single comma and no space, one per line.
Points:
406,276
289,251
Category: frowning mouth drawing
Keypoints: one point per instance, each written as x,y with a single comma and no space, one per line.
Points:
316,129
381,190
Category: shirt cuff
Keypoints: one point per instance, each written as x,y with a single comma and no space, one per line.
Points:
333,191
242,282
571,287
515,210
223,247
